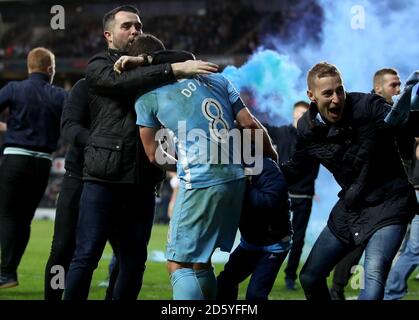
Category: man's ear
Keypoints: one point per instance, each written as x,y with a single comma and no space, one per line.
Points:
50,70
108,36
51,73
310,95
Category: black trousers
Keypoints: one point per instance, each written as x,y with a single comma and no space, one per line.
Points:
23,180
64,239
342,271
301,208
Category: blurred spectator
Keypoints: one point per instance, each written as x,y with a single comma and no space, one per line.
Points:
35,106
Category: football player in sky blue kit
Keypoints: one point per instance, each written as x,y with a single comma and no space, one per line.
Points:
200,112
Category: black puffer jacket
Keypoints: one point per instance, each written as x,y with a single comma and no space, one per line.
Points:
361,154
114,152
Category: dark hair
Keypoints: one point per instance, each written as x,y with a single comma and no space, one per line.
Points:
145,43
321,70
379,75
302,103
110,16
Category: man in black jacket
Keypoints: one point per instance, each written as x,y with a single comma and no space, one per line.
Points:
386,83
119,181
75,123
301,192
32,133
346,133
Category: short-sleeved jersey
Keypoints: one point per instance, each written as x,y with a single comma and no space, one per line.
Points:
199,113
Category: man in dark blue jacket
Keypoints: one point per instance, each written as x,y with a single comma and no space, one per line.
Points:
265,228
32,133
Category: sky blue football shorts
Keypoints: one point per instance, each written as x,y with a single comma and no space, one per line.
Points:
204,219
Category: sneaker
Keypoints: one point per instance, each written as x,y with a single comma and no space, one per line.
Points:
290,284
337,294
8,282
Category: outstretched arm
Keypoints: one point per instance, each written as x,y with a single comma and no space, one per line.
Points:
158,57
405,103
247,121
148,137
101,77
179,69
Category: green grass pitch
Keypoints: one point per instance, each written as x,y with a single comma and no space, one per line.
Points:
156,285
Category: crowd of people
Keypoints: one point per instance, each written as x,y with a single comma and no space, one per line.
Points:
219,27
119,121
211,30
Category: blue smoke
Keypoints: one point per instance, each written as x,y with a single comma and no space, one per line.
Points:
389,39
271,79
277,77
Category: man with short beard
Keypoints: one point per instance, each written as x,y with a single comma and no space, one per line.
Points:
386,83
119,182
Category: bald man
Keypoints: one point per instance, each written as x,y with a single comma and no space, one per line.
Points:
33,130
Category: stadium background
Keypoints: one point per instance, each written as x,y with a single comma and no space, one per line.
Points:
264,47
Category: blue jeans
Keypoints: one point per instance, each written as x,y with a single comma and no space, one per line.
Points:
263,266
396,286
123,213
329,250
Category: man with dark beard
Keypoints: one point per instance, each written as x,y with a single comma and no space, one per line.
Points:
119,181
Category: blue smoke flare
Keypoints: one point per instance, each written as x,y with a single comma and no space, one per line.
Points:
270,77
